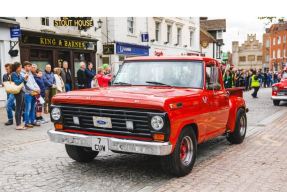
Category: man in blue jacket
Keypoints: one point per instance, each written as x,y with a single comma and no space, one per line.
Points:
90,73
49,81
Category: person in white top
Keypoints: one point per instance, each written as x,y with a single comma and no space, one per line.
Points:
59,81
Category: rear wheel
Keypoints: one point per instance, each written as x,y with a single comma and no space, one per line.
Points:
276,102
181,161
239,133
81,154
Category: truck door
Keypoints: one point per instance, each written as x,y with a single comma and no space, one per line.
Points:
218,102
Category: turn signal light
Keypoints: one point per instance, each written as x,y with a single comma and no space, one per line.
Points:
58,126
158,137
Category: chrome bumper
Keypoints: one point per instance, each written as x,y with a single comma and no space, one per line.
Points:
122,145
279,97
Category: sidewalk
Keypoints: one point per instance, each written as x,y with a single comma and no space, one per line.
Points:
259,164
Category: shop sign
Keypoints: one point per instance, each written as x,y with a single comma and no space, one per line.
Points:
131,49
144,37
84,22
55,42
109,49
15,31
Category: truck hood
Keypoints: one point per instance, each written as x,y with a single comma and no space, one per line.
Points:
146,97
282,84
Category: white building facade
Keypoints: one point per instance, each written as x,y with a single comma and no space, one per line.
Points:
149,36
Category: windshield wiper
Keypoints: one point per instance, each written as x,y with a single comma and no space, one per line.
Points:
121,83
157,83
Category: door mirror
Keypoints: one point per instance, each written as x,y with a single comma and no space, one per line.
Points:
213,86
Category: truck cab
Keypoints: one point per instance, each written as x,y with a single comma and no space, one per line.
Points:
163,106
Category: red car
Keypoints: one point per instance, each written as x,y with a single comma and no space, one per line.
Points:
279,90
162,106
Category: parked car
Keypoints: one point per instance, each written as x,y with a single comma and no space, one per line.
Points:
279,90
162,106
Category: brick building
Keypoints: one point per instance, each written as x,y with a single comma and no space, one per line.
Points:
274,46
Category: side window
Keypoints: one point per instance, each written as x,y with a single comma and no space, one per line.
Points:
212,78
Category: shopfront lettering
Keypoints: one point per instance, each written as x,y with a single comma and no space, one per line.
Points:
77,22
62,43
125,49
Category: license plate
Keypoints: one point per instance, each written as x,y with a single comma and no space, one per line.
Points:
100,144
104,122
280,94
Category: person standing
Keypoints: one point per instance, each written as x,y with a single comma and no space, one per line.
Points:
90,73
255,84
81,76
102,79
31,90
49,81
227,79
18,79
39,106
66,76
10,105
60,85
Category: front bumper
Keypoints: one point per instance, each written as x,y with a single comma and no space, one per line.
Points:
122,145
280,97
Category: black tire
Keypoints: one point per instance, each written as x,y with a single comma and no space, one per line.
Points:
239,133
276,102
172,163
81,154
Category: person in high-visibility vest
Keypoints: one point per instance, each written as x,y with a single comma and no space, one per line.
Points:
255,84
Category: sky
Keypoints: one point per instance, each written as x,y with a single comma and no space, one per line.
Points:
238,28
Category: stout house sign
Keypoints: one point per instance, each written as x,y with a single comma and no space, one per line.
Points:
80,22
48,40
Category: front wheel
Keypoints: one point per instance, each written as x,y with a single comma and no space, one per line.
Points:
181,161
238,135
276,102
81,154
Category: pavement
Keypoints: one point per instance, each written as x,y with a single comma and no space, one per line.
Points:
30,162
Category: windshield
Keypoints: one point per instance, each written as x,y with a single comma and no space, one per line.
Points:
284,76
161,73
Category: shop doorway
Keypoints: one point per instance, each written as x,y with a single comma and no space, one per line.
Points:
63,56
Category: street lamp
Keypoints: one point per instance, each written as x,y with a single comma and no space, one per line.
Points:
99,22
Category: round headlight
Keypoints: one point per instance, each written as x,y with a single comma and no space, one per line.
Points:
157,123
275,88
56,114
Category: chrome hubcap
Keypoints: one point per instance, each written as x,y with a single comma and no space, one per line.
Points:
186,150
242,126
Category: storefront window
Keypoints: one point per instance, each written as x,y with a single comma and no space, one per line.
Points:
40,64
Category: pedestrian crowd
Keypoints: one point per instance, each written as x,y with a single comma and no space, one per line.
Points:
30,90
251,78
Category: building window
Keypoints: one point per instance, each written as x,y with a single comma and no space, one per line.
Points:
131,24
190,38
278,40
284,52
274,40
278,53
242,58
251,57
259,58
45,21
178,42
219,35
267,58
267,43
168,33
284,39
157,31
218,51
274,54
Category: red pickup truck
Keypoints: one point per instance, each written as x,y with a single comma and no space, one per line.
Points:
162,106
279,90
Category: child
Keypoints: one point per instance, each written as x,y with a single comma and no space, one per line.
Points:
39,105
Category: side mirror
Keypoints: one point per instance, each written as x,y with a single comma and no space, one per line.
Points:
213,86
